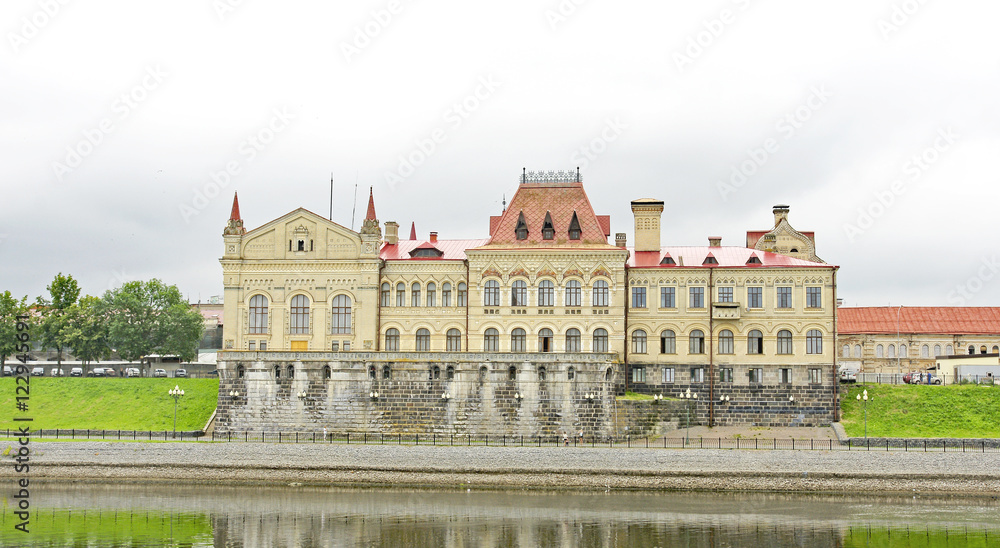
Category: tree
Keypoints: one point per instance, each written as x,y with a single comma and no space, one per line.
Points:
53,326
86,329
151,317
10,309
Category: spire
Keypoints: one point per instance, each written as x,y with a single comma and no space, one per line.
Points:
371,206
235,215
413,231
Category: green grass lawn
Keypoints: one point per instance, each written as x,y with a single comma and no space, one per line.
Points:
112,404
906,411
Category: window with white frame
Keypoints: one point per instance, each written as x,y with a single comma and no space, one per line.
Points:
668,342
696,342
879,351
815,375
638,374
726,342
755,375
785,375
925,351
755,342
638,341
697,374
726,374
667,374
785,342
814,341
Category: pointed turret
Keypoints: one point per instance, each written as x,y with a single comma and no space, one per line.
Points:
235,215
413,230
235,225
371,206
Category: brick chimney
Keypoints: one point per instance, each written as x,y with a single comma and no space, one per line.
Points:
391,232
434,237
714,241
620,239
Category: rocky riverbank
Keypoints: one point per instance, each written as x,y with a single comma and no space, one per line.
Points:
517,467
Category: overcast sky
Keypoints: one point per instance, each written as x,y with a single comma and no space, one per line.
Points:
125,127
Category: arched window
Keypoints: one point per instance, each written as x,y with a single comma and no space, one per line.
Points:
299,315
857,351
545,340
371,372
415,294
512,373
574,292
482,374
879,351
258,314
517,340
386,294
446,294
519,293
925,351
454,338
491,293
291,371
785,342
400,294
423,342
726,342
327,372
570,374
600,340
937,350
491,340
277,371
386,372
972,349
903,351
996,349
541,373
846,351
668,342
696,342
814,341
982,349
609,374
949,350
600,296
392,340
755,342
450,373
463,294
572,340
341,322
638,341
892,351
240,371
435,373
546,293
431,294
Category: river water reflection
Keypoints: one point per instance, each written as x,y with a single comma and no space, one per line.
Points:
152,515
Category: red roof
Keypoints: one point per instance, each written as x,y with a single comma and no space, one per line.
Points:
371,206
968,320
727,257
753,236
453,249
235,215
560,201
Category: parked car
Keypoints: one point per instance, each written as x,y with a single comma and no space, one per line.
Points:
132,372
181,373
848,375
56,372
160,373
76,372
38,372
7,371
96,372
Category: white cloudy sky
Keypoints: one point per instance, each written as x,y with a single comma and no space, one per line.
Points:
823,106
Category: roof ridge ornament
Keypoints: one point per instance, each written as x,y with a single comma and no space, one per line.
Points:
568,176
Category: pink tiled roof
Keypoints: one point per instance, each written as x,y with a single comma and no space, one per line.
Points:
452,249
968,320
727,257
560,200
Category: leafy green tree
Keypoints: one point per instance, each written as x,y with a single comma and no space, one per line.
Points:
53,326
151,318
86,329
10,309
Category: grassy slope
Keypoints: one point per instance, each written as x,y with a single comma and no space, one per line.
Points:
961,411
99,403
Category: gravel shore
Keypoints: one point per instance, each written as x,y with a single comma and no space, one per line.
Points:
974,474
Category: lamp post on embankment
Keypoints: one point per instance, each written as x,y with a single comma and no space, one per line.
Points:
689,399
865,399
175,393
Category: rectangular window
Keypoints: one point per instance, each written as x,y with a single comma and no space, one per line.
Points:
638,297
755,297
400,297
814,297
668,297
446,295
668,375
697,374
815,376
725,294
638,374
415,296
253,345
463,294
431,297
335,346
697,297
785,375
347,346
784,297
726,374
263,345
756,375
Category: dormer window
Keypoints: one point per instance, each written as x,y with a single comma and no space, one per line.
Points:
754,259
548,231
574,228
710,259
521,231
668,260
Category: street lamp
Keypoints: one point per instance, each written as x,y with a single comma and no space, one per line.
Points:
687,396
865,398
176,393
